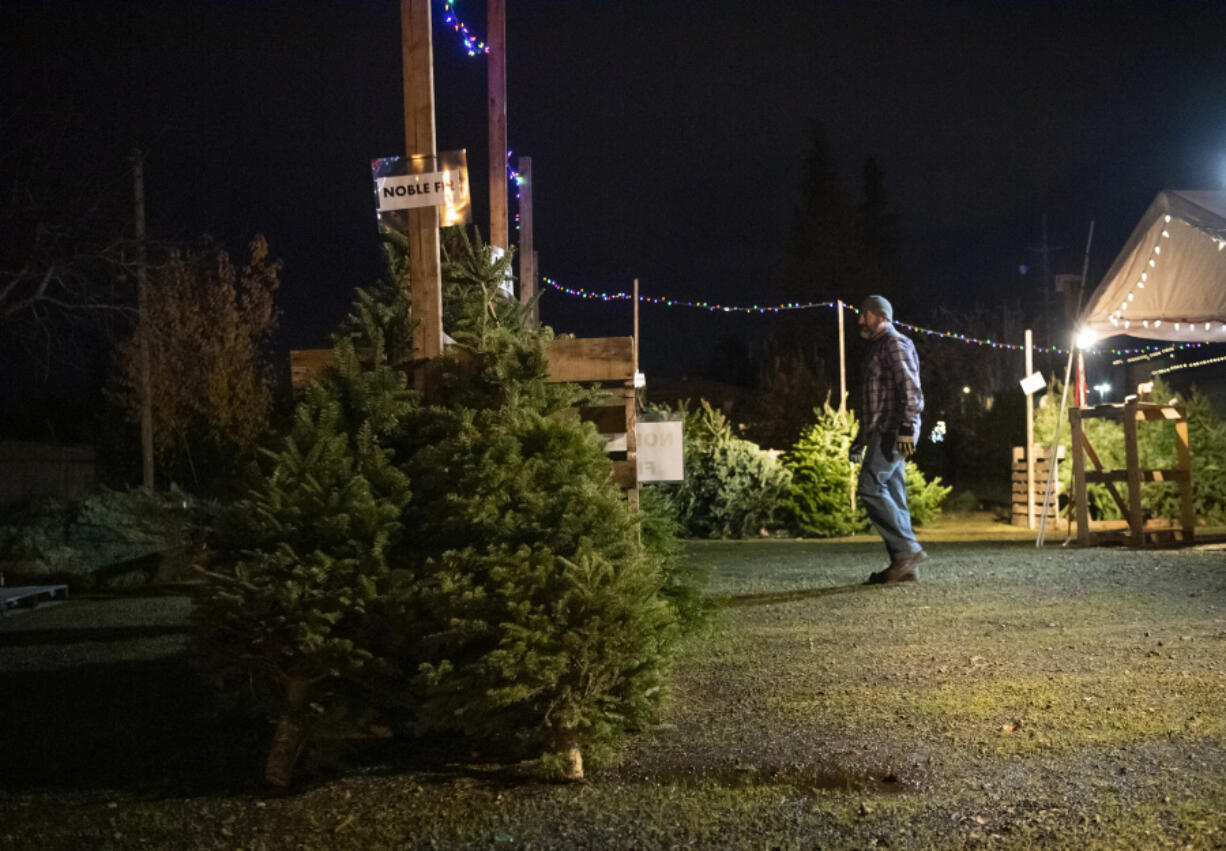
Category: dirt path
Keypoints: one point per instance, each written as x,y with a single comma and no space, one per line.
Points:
1013,698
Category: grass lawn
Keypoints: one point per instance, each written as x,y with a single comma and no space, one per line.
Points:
1013,698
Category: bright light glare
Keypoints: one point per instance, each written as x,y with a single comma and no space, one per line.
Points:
1086,338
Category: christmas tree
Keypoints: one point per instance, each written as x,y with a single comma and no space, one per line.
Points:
304,578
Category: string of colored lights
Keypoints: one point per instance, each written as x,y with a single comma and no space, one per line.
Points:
471,43
675,302
778,308
1179,366
517,180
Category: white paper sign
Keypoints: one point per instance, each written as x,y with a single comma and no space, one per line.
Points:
432,189
507,284
1033,383
659,452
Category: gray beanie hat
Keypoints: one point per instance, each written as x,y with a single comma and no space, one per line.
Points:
878,305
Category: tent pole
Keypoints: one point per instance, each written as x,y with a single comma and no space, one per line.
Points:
1051,455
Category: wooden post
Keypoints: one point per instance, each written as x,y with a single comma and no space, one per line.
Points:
496,16
632,408
838,305
1077,436
143,329
1030,436
527,256
425,278
1136,521
636,326
1187,511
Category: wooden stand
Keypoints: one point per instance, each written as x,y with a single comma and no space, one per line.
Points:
1129,414
609,363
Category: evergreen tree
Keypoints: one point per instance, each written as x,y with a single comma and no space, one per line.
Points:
822,259
878,243
545,616
508,594
1207,440
305,589
732,488
819,500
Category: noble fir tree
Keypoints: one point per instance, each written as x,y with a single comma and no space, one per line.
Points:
547,616
296,609
507,594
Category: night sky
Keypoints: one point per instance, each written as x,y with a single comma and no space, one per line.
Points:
666,137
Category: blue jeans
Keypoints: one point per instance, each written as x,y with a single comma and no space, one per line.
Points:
882,491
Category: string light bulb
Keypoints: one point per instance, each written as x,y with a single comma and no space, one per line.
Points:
471,44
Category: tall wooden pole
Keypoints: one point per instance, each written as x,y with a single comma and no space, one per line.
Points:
497,65
1030,435
527,256
842,359
425,279
851,474
636,326
142,301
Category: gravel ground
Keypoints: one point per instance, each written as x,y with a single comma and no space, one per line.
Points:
1013,698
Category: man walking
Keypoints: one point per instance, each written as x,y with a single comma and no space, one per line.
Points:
889,428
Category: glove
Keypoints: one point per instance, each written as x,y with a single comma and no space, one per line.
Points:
905,446
856,454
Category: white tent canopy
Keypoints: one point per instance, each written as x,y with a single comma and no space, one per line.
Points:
1169,281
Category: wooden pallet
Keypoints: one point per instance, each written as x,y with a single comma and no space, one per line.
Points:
1021,509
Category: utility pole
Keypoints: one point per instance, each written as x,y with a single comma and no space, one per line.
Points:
142,332
527,256
425,278
496,14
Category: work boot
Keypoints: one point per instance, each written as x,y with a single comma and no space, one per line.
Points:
903,569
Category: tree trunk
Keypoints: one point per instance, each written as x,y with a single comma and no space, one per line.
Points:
572,768
287,739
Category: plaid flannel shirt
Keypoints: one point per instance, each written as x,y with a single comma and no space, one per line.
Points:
892,395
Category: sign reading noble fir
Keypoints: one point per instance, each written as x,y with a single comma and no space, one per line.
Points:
417,190
422,181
